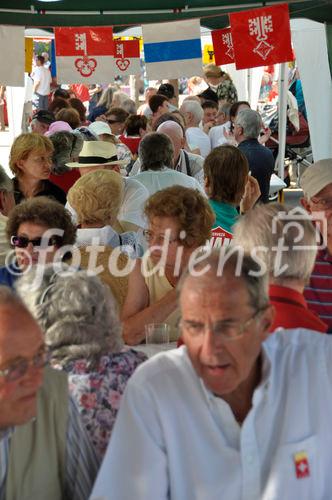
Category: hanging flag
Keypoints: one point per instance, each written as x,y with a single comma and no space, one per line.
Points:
12,56
208,54
28,47
223,46
84,55
127,57
261,36
172,50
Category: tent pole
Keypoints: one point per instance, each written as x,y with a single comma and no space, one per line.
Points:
282,112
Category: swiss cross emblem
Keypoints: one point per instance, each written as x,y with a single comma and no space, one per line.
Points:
301,462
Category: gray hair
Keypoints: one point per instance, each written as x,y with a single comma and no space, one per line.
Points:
6,184
225,108
75,310
129,106
106,98
67,147
250,121
194,108
229,261
283,238
156,151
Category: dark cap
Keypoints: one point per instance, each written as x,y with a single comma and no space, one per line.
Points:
44,116
166,89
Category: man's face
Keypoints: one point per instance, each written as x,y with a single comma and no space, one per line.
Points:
116,126
20,340
210,115
321,203
223,303
38,127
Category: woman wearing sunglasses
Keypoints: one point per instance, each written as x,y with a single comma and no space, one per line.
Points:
36,229
30,160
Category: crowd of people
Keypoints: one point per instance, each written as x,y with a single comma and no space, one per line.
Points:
117,218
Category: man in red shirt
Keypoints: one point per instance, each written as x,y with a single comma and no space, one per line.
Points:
316,183
283,241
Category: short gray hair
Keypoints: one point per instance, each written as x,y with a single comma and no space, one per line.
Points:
229,261
75,310
250,121
6,184
194,108
155,151
262,227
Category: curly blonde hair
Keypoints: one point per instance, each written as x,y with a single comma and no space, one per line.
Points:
96,197
188,207
23,145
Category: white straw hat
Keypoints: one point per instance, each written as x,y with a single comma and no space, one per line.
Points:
96,153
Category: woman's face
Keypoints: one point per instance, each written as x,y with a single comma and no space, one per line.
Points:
33,251
37,165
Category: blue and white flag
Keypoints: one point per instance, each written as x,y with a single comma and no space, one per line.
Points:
172,50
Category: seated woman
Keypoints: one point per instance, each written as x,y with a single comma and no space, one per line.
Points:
36,229
82,331
30,161
228,186
96,198
135,129
179,222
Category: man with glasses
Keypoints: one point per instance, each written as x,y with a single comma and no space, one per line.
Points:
316,183
44,449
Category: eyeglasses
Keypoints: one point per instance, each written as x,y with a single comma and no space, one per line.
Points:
222,330
19,367
160,238
324,203
23,241
113,121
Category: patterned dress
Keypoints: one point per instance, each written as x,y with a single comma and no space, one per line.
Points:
98,391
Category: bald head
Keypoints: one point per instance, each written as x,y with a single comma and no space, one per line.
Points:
174,131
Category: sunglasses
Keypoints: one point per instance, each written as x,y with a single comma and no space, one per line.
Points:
113,121
23,241
19,368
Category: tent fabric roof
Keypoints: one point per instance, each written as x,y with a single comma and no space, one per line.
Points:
213,13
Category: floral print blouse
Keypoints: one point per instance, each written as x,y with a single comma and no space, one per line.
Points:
98,391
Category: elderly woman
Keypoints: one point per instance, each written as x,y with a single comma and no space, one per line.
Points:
82,331
179,222
30,161
228,186
36,229
96,198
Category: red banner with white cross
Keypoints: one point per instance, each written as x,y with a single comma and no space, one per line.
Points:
84,55
127,57
223,46
261,36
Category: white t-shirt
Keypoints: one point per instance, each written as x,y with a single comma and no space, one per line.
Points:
155,180
196,138
42,75
216,135
176,440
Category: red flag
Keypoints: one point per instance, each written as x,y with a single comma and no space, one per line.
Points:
84,55
127,56
223,46
261,36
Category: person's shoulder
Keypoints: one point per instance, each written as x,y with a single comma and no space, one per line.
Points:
194,158
56,191
134,182
297,341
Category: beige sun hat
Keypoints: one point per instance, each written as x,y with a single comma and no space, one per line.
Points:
316,177
96,153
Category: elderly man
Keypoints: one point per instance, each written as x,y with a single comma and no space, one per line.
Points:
156,153
248,124
316,183
227,416
7,202
285,241
196,138
44,449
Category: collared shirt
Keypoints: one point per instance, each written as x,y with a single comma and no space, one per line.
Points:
175,440
292,310
318,293
155,180
196,138
81,461
261,164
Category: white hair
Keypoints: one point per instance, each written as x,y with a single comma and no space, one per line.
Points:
194,108
75,310
266,228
